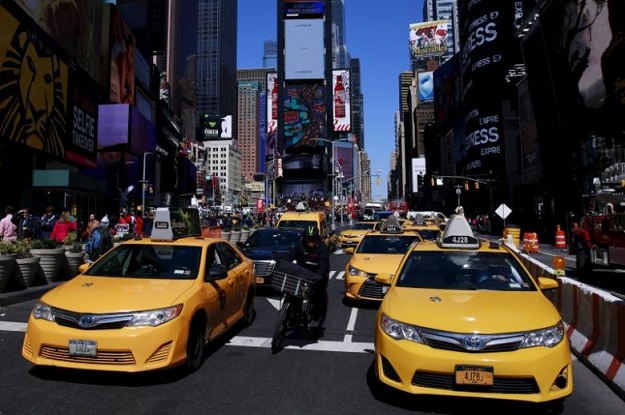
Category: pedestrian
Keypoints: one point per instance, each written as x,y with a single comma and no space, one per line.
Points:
8,229
63,227
29,225
47,222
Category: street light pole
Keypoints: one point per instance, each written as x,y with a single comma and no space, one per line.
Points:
144,182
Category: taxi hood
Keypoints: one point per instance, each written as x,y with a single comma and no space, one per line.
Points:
109,295
377,263
470,311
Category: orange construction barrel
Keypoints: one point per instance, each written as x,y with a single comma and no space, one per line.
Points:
560,240
530,242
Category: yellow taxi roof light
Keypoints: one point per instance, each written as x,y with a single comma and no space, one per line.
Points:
458,234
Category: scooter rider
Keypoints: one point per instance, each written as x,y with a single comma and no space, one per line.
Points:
315,256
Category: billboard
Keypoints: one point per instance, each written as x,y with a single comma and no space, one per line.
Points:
125,127
47,104
426,86
344,156
428,38
304,114
77,27
215,127
122,64
297,8
304,49
341,108
447,93
272,109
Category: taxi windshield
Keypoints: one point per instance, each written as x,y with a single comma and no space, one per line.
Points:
428,234
149,261
385,244
464,270
361,226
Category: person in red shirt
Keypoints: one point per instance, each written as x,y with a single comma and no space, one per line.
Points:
63,227
139,224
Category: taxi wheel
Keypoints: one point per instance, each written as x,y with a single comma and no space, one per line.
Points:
249,311
196,344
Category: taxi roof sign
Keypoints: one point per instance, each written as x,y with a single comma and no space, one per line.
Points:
173,223
458,234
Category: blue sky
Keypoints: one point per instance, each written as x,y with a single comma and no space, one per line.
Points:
377,34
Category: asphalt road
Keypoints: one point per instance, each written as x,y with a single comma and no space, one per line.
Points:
240,375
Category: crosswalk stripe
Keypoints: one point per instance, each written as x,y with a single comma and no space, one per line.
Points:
263,342
337,275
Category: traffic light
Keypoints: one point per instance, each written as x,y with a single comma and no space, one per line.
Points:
433,181
419,182
477,185
466,185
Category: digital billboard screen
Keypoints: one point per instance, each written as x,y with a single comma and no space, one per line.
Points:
304,50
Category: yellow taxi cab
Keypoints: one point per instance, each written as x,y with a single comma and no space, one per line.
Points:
146,304
429,230
463,317
303,217
354,233
379,251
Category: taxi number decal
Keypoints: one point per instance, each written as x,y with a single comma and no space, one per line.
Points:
460,240
161,225
474,375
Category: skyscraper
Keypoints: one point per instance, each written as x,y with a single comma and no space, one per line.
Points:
270,54
340,56
217,58
444,10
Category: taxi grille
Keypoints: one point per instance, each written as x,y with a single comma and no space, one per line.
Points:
471,343
500,385
264,268
104,357
85,321
371,289
161,354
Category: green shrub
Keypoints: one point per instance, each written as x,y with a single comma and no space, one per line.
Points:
44,244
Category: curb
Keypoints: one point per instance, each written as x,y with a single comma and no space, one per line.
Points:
27,294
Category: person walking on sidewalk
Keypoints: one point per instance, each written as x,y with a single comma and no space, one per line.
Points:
63,227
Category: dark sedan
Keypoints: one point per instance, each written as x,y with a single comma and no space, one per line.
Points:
267,246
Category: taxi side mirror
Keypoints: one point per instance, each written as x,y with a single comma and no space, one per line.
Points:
216,272
349,250
83,267
385,279
546,283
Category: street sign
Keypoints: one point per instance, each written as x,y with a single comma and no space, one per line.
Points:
503,211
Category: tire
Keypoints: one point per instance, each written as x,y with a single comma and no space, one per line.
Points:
315,324
281,327
249,311
195,345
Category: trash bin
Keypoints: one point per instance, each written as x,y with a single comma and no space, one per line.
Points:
515,232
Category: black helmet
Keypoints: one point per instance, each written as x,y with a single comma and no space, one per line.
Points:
311,232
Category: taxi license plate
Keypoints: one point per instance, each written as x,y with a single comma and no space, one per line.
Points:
260,280
474,375
83,348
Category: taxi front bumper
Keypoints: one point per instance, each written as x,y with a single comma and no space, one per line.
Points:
127,349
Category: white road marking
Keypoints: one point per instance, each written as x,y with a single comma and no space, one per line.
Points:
277,304
337,275
303,344
263,342
12,326
350,325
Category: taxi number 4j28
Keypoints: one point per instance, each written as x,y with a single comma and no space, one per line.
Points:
460,239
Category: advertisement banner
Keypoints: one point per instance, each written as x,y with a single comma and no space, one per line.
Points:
304,115
297,8
216,128
122,63
426,86
418,169
341,111
530,145
428,38
448,93
39,89
484,139
304,55
344,156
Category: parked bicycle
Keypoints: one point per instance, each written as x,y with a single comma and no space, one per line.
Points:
298,314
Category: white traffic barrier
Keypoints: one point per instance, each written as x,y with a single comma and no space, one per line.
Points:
595,323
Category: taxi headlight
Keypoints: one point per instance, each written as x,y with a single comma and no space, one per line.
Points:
42,311
355,272
155,317
549,337
400,331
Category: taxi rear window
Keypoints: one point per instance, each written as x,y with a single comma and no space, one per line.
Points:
385,244
463,270
287,223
